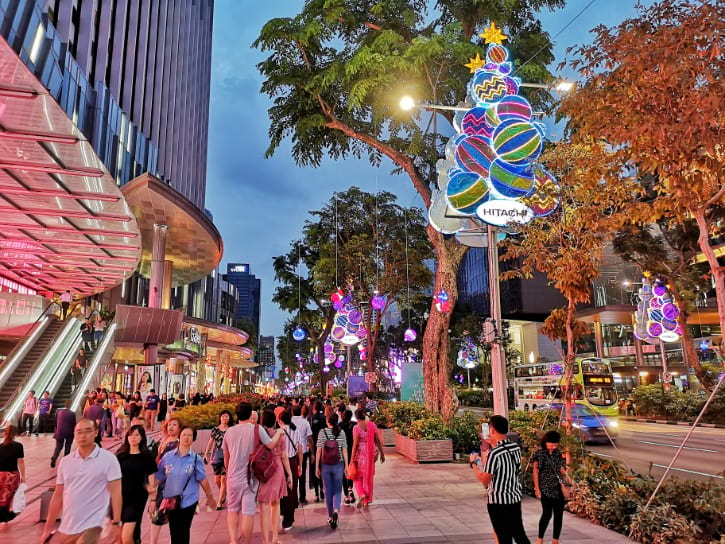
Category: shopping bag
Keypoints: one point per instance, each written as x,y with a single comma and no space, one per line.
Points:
19,499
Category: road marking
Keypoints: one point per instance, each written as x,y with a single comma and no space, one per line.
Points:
674,446
690,471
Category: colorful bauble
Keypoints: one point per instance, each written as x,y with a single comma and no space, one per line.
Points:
410,335
544,198
510,181
512,85
465,192
337,333
517,142
670,311
492,118
299,334
474,154
354,317
474,122
513,107
659,289
487,87
378,302
497,53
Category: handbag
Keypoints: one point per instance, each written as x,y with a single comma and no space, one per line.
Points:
173,503
19,499
564,485
352,472
261,462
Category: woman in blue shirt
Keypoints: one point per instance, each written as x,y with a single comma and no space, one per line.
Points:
183,472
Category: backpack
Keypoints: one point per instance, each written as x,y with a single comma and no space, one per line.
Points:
261,461
330,450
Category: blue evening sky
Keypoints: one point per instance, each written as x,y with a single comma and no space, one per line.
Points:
259,205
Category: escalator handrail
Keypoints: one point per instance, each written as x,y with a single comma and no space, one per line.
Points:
92,367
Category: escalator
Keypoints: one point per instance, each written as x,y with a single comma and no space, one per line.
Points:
95,370
43,367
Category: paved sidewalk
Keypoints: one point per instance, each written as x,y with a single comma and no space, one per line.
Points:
431,503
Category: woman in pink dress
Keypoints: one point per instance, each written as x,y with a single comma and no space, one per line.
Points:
271,491
365,440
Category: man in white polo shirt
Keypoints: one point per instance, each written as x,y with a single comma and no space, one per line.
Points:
86,480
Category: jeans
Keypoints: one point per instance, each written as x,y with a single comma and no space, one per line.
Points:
59,443
27,418
44,423
303,477
332,480
507,523
180,524
551,506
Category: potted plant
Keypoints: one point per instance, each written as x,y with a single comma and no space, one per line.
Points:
426,440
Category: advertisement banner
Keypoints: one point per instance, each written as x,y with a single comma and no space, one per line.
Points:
411,387
356,386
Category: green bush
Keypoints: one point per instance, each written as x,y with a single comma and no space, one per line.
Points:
660,524
464,430
428,428
653,401
400,415
470,397
204,416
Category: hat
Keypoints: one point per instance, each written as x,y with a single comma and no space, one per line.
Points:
278,411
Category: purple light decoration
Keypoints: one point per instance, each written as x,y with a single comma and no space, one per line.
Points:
325,369
654,328
410,335
670,311
338,364
660,289
378,302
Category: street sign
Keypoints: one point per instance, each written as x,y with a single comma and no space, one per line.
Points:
667,377
371,377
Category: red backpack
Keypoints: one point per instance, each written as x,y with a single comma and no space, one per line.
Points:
261,461
330,450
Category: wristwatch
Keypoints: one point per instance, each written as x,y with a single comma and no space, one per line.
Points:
117,523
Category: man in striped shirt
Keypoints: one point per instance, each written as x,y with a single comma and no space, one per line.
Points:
499,469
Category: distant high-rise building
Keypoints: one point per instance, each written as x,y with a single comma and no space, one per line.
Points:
249,289
133,75
265,357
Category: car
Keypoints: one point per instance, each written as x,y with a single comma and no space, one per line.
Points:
595,428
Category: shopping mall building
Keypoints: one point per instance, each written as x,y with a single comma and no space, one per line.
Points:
104,109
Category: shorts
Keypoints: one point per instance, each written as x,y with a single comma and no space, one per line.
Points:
242,498
219,469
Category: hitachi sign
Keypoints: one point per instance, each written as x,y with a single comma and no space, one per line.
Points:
501,212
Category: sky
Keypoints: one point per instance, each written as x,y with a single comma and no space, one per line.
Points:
260,205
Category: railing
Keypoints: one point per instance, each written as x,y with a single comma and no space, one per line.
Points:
95,369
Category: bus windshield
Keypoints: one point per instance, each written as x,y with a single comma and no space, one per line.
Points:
590,366
601,396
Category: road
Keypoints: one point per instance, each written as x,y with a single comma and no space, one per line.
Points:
642,444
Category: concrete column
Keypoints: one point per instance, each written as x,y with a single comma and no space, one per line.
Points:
166,288
498,362
599,339
158,252
638,354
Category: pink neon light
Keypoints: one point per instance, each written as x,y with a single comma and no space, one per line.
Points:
60,228
66,213
80,195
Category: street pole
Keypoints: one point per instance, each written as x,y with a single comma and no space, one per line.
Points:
498,363
469,377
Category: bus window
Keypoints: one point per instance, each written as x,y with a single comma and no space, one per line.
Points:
601,396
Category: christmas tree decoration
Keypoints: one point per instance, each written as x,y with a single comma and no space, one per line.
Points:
378,302
657,315
410,335
490,170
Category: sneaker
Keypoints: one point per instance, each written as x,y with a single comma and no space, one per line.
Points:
287,529
333,521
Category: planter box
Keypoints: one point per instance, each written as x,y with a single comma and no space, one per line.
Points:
387,436
424,451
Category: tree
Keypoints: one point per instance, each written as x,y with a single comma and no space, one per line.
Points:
373,246
357,241
247,325
336,72
668,251
567,245
653,93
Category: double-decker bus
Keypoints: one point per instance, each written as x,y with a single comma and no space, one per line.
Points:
542,384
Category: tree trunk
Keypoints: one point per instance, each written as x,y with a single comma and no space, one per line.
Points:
718,271
439,395
688,349
570,361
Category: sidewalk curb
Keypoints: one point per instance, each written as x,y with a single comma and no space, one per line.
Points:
673,422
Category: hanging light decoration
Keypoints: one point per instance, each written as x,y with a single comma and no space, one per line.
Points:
442,304
410,335
299,334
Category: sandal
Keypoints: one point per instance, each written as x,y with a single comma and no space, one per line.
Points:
360,501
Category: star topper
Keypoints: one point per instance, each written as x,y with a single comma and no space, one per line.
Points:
493,34
475,64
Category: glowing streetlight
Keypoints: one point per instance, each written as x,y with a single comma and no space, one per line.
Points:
407,103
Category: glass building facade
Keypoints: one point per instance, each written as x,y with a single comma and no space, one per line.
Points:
133,75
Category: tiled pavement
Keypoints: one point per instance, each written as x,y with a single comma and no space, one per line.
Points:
413,504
